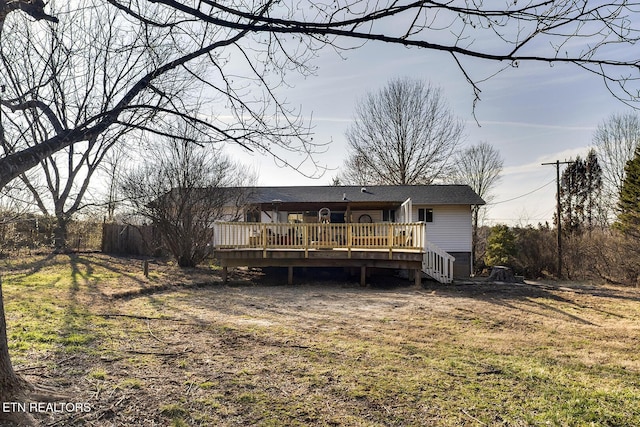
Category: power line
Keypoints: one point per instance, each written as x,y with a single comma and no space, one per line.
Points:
523,195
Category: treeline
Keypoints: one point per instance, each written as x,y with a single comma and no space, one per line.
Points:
598,230
32,233
603,254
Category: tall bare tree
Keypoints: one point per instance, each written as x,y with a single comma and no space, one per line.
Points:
616,139
183,189
242,52
479,167
402,134
43,73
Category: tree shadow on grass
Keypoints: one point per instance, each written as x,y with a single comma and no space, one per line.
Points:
27,265
558,300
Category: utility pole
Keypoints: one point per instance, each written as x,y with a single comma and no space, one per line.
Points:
557,164
2,90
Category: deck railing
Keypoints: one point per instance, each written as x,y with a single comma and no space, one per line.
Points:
238,235
309,236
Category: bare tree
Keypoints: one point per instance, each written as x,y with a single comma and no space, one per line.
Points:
273,38
479,167
239,53
113,169
616,139
356,171
183,189
403,134
43,72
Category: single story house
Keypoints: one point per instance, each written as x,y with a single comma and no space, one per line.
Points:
358,221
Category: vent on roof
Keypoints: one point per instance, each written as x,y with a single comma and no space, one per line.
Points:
363,190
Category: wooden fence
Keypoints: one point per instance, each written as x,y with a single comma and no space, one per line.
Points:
130,240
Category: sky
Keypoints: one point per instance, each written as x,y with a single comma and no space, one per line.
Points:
532,114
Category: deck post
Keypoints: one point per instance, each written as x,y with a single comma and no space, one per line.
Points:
225,274
417,277
264,240
363,275
290,275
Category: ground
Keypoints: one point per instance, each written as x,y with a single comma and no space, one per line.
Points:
181,348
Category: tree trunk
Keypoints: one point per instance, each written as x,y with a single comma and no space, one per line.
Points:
503,274
13,388
10,383
60,235
8,377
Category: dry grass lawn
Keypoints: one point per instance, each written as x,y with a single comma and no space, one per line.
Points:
180,348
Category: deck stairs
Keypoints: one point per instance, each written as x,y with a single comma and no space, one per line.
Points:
437,263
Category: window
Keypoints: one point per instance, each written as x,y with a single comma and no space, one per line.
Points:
425,214
389,215
252,215
295,218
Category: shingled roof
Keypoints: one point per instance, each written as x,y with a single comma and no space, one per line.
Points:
419,194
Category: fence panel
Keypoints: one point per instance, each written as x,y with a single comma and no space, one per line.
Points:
129,239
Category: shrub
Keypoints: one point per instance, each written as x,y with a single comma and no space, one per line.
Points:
501,246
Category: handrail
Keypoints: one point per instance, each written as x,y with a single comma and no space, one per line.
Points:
437,263
258,235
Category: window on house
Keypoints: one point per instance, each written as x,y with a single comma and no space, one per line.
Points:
425,214
389,215
295,217
252,215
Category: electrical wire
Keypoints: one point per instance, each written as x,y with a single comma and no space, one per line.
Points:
523,195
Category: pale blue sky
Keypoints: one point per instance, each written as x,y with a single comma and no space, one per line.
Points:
532,114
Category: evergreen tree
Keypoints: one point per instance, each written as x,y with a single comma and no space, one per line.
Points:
629,201
571,196
501,246
593,208
580,194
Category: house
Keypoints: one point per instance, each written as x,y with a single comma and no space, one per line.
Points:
418,227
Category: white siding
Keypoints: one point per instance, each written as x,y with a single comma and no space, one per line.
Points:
376,215
451,227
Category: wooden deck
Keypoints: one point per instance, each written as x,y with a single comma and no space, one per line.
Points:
377,245
290,258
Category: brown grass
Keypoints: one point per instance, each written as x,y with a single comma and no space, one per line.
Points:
143,351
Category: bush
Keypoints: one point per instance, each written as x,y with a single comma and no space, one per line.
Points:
612,256
536,251
501,246
600,254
